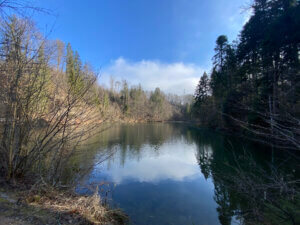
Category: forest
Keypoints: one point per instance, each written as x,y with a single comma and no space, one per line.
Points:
253,88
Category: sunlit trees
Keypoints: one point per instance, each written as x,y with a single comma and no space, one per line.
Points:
160,107
74,70
138,102
35,133
59,55
125,97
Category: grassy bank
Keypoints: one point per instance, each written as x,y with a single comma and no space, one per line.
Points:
39,204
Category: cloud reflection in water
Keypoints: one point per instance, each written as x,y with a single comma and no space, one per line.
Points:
170,161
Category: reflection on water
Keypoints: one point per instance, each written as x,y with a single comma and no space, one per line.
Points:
171,161
166,173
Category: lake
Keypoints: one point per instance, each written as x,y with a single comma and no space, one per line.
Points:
169,173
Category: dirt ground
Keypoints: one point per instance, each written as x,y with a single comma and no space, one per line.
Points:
13,212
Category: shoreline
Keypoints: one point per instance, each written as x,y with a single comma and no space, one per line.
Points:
29,204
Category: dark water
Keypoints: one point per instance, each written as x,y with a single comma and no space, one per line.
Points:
169,173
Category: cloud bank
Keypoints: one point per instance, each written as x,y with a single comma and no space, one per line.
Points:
176,78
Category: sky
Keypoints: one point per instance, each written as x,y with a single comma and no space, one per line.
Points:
157,43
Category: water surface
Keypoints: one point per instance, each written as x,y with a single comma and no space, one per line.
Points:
166,173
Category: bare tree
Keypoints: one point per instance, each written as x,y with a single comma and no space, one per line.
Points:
19,7
60,53
37,135
281,130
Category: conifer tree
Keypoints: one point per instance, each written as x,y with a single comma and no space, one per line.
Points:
202,90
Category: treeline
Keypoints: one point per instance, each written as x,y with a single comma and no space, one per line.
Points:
132,103
254,87
119,102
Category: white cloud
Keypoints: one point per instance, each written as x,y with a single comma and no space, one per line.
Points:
174,78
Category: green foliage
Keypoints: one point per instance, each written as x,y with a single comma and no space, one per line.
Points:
157,98
125,97
74,71
105,101
202,90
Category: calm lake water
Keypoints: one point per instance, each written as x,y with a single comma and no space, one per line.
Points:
167,173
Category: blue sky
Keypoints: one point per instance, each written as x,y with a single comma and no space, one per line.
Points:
129,38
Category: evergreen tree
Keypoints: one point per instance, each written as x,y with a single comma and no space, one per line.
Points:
74,71
220,49
70,66
125,97
255,82
202,90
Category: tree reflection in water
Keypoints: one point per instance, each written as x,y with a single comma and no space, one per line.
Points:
250,184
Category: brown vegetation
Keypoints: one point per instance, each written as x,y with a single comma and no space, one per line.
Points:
47,205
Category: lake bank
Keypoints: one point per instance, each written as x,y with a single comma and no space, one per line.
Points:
34,205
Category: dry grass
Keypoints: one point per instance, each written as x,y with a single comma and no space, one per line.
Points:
88,208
